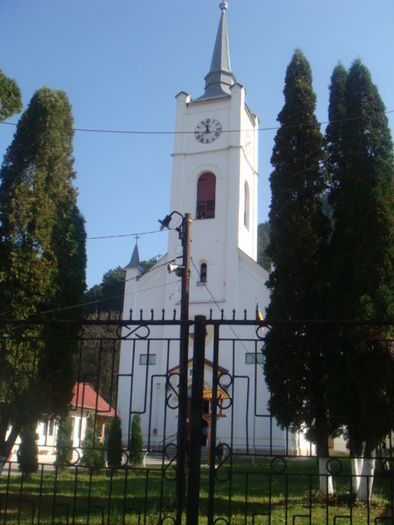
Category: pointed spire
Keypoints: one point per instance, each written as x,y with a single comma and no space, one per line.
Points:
135,258
220,77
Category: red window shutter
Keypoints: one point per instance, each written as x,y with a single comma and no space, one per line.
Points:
206,189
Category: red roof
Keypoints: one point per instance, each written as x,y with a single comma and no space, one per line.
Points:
85,397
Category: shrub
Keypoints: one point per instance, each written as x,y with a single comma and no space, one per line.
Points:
64,442
93,454
115,450
136,443
28,451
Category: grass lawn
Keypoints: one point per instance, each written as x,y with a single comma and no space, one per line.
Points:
261,493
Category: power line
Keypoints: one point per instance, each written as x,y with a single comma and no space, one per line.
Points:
123,235
220,310
153,132
111,298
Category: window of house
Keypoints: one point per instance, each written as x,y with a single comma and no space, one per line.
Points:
203,273
206,191
147,359
247,206
50,427
251,358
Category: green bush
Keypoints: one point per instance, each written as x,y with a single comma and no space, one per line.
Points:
93,454
114,446
28,451
64,442
136,453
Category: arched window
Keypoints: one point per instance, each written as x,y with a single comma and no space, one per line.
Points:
247,206
203,273
206,189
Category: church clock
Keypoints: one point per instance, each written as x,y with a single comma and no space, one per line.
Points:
208,130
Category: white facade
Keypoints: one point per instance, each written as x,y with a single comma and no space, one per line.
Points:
226,246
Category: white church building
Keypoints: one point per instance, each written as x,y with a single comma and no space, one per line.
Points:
214,178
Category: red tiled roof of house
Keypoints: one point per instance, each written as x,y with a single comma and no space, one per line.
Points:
85,397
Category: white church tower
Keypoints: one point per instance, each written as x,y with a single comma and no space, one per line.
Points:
214,178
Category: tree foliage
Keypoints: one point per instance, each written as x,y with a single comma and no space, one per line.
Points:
336,264
28,451
136,453
10,97
147,265
362,280
64,442
296,356
263,240
107,296
42,263
93,454
99,362
114,445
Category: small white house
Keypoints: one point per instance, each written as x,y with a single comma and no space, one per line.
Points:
85,403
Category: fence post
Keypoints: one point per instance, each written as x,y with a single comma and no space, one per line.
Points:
215,374
193,492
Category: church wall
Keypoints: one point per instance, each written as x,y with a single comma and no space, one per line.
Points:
234,281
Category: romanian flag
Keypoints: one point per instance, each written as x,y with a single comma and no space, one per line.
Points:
259,315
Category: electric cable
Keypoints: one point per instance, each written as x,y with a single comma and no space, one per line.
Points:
111,298
152,132
221,311
123,235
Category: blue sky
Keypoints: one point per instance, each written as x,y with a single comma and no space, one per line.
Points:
122,62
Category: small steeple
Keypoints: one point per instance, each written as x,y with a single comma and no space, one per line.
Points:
220,77
135,258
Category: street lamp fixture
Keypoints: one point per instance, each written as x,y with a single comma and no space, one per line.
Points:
165,223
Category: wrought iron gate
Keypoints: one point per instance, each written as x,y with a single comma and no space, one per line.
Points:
225,460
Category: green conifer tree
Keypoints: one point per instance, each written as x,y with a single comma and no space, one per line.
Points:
114,445
296,356
64,442
42,263
93,454
136,453
362,279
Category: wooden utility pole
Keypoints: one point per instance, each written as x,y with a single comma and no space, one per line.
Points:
185,235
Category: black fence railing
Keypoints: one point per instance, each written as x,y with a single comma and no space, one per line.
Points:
112,457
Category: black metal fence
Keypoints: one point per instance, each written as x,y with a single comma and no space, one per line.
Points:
226,461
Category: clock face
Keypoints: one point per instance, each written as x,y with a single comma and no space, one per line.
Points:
208,130
248,145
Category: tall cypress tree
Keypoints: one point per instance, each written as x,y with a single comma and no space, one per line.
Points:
295,356
361,163
42,261
362,197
